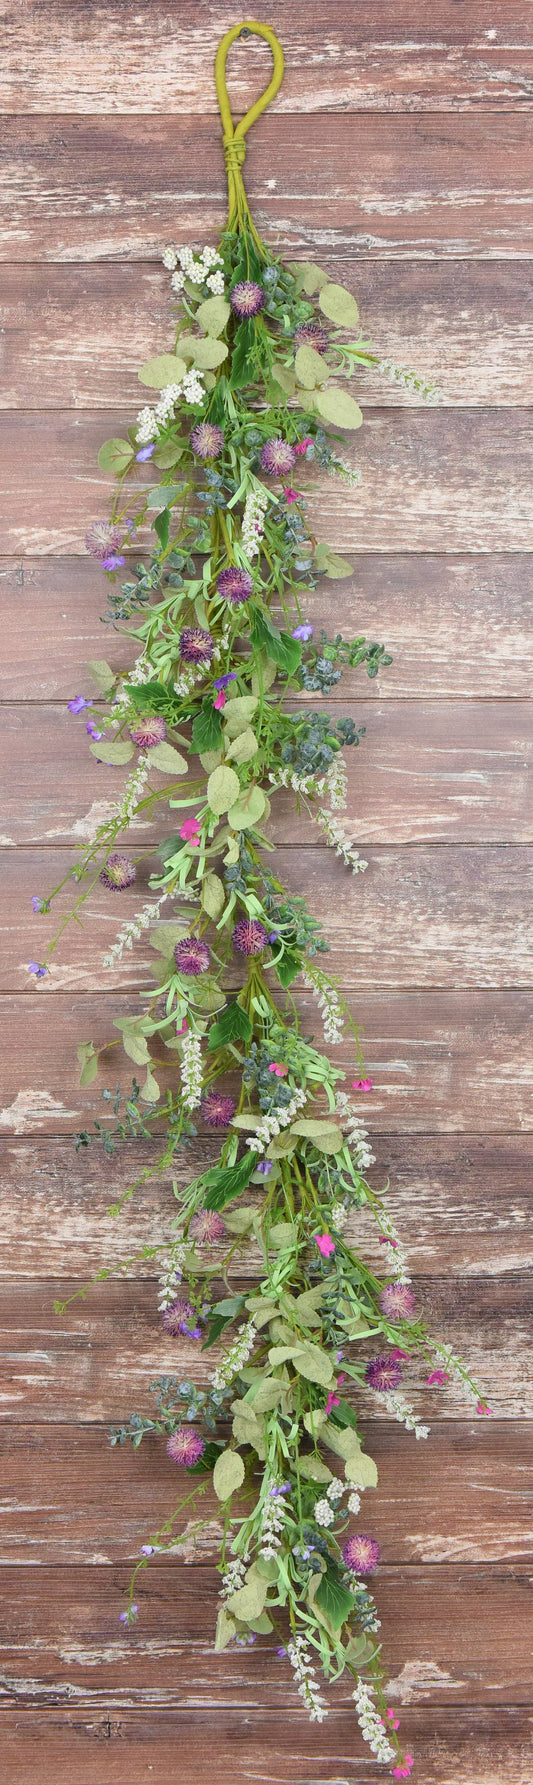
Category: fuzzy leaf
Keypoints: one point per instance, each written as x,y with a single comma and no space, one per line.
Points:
343,1441
282,1145
361,1469
244,746
239,1222
280,1354
284,376
267,1396
162,495
313,1469
165,757
88,1059
116,754
309,278
225,1630
213,315
338,304
223,788
248,809
165,369
268,674
228,1474
281,1234
213,895
115,455
210,760
203,350
314,1364
338,407
249,1600
311,368
102,674
238,712
324,1135
306,1306
314,1421
168,454
150,1090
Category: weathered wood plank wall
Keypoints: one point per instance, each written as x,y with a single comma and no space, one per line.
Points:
397,153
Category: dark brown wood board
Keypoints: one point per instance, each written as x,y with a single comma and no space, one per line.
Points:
398,155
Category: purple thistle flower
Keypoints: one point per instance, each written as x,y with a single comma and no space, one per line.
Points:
311,334
78,705
206,1227
249,936
224,681
207,440
37,969
92,731
113,561
174,1319
264,1167
246,298
40,905
217,1109
102,540
145,452
397,1302
277,457
303,632
195,645
383,1373
149,731
192,956
185,1447
117,873
235,585
361,1554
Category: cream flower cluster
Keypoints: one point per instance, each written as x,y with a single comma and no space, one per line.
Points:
300,1660
272,1125
134,789
328,1001
401,1410
337,783
236,1356
371,1724
253,519
171,1275
191,1072
131,931
356,1133
232,1578
337,839
272,1526
199,269
149,421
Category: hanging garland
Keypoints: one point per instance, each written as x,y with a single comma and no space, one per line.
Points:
248,397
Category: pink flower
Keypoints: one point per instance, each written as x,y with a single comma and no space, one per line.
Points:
333,1400
401,1356
325,1244
437,1377
362,1084
189,832
385,1241
482,1407
393,1720
402,1772
183,1028
219,700
280,1071
302,445
291,495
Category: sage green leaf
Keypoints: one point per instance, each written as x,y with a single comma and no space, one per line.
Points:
246,1122
338,407
150,1090
268,674
223,788
314,1421
228,1473
113,753
240,1221
309,278
165,757
213,315
249,1600
267,1396
102,674
168,454
314,1364
282,1233
311,369
284,376
282,1145
165,369
343,1440
280,1354
88,1059
164,936
208,997
136,1047
313,1469
306,1306
337,567
162,495
210,760
268,1566
324,1135
244,746
213,895
250,1431
232,854
203,350
225,1630
238,713
248,810
338,304
115,456
261,1625
361,1469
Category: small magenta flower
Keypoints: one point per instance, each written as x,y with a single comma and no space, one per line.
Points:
397,1302
246,298
145,452
224,681
361,1554
207,1228
403,1357
195,645
403,1772
280,1071
235,585
362,1084
117,873
177,1318
219,700
333,1400
303,632
190,833
482,1407
302,445
207,440
393,1719
149,731
37,969
40,905
192,956
325,1244
311,334
385,1240
383,1373
249,936
437,1378
291,495
217,1109
78,705
277,457
185,1447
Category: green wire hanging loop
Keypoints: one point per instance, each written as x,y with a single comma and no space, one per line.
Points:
233,138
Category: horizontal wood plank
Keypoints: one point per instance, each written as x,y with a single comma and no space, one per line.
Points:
391,61
96,1361
463,1204
439,1062
458,626
428,916
464,325
117,187
427,772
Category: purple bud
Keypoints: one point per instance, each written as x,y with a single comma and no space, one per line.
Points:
303,633
92,731
37,968
78,704
145,452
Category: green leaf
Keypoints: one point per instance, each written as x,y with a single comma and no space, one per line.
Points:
165,757
102,674
324,1135
135,1046
311,368
213,895
150,1090
225,1182
288,967
281,1354
115,456
223,788
210,760
333,1599
338,407
248,809
309,278
238,712
168,454
151,697
267,1396
244,746
249,1600
213,315
361,1469
228,1474
161,526
338,304
207,728
88,1059
165,369
313,1469
338,567
282,1233
269,671
344,1440
225,1630
113,753
233,1025
203,350
240,1221
314,1421
162,495
208,997
284,650
314,1364
307,1306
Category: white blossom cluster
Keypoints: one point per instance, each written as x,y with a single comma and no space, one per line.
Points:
253,519
236,1356
272,1125
222,645
337,839
328,1001
397,1263
455,1368
371,1724
171,1275
287,777
191,1071
233,1577
149,421
354,1502
348,473
324,1513
272,1526
300,1660
197,268
339,1216
131,931
336,1489
356,1133
429,392
184,683
141,671
401,1410
337,783
134,789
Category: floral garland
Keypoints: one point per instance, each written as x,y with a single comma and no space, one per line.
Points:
247,397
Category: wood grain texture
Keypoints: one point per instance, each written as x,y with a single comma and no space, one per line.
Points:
388,57
437,480
455,1745
459,627
427,772
464,325
417,917
112,188
463,1204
